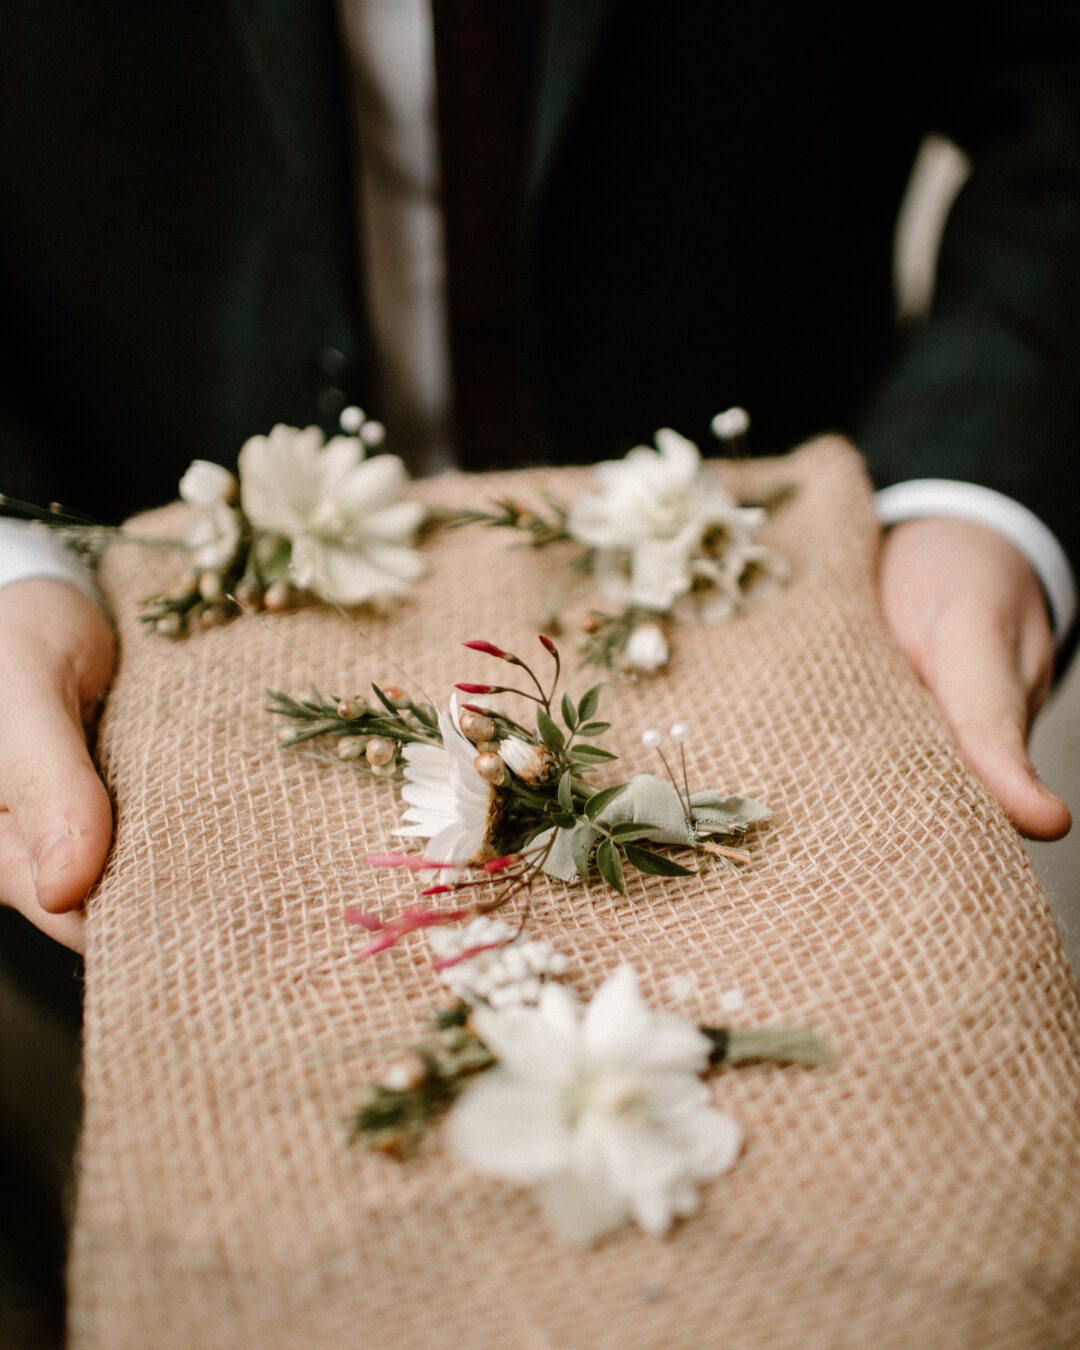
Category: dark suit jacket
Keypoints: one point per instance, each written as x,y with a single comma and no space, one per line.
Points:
708,220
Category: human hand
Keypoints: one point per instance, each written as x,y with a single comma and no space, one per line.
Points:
56,660
969,614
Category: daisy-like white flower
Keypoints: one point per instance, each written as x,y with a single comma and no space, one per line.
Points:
649,518
600,1109
213,532
351,534
450,805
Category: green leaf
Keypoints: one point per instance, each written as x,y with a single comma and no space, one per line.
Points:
579,848
607,859
569,715
566,792
592,754
629,829
384,701
655,864
599,800
594,728
549,732
565,820
590,701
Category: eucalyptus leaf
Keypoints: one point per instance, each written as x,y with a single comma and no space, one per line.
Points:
629,829
590,701
592,754
549,732
569,713
591,729
607,859
655,864
599,800
566,792
580,843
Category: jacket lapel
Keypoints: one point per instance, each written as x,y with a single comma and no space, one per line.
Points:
292,55
571,32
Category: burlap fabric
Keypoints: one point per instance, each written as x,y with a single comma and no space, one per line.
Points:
923,1192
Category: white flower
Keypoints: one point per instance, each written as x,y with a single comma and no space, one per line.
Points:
647,649
206,485
351,534
213,532
509,972
530,762
649,518
601,1109
449,803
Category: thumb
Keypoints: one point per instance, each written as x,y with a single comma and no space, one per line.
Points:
48,784
985,700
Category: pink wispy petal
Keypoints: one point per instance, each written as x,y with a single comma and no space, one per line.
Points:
445,962
498,864
415,862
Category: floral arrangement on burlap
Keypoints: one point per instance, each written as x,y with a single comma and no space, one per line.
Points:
662,537
600,1107
304,516
664,540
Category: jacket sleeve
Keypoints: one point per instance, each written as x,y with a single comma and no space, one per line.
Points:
988,390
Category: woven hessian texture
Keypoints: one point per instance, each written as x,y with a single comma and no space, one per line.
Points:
922,1192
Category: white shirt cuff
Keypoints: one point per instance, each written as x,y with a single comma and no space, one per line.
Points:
970,501
29,552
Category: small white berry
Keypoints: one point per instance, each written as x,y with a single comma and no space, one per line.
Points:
731,424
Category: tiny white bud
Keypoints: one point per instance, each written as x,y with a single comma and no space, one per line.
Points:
490,768
731,424
380,750
351,419
210,586
352,707
476,726
406,1074
646,649
373,433
279,596
350,747
651,739
169,625
680,731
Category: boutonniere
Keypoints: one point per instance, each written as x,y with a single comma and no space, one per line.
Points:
304,516
664,541
599,1108
495,802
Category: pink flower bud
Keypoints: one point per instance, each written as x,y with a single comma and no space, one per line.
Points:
476,688
489,648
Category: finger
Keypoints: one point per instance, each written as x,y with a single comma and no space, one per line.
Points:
49,785
975,674
20,893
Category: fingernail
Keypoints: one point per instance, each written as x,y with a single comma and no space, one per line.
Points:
55,853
